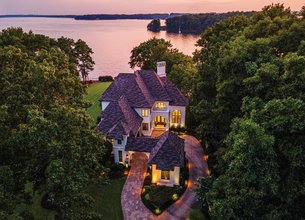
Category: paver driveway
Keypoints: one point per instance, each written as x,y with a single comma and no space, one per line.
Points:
134,209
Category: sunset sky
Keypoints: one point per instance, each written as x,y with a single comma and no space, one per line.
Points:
135,6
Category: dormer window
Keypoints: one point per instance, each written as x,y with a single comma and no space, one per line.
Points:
119,141
161,105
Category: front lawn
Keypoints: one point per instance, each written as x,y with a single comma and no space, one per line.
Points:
108,198
40,212
94,93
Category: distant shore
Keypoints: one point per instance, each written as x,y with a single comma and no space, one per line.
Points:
99,16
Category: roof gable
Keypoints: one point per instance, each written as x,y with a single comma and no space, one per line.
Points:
168,152
119,119
154,85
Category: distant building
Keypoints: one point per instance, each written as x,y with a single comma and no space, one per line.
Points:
135,107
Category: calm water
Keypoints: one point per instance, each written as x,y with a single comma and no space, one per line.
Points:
111,41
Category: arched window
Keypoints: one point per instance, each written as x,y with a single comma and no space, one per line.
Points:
176,117
160,105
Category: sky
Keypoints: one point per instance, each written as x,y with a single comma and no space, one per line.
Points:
136,6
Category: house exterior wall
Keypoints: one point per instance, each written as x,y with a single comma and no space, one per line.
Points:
173,180
182,109
146,119
104,105
160,112
175,176
120,147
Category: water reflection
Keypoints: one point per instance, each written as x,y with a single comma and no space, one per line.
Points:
111,41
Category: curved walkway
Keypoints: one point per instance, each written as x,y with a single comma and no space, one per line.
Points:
134,209
132,206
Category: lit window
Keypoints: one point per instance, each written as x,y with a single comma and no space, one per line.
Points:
160,105
145,126
165,175
120,156
144,112
160,120
176,117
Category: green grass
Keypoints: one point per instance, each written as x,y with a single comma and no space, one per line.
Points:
196,214
108,199
41,213
94,92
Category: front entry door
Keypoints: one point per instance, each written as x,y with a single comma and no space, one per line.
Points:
160,122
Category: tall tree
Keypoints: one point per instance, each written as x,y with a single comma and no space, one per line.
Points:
248,187
85,61
180,68
47,145
254,72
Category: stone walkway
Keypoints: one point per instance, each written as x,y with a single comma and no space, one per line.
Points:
132,206
134,209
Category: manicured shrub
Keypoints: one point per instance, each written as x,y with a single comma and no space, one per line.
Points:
147,196
105,78
177,129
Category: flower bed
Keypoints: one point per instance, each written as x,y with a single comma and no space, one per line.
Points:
158,198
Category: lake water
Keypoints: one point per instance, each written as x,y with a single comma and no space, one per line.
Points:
110,40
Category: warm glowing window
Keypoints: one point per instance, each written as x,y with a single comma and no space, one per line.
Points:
176,117
160,105
144,112
165,175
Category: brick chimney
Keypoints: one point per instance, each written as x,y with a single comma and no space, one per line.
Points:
161,69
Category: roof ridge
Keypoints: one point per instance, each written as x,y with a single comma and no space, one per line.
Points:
159,78
141,84
159,144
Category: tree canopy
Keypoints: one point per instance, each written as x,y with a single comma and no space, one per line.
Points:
154,25
180,68
47,145
249,105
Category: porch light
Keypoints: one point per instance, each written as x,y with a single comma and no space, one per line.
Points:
206,157
126,172
157,211
185,183
175,196
189,165
208,172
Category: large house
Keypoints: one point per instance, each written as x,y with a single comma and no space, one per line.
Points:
136,107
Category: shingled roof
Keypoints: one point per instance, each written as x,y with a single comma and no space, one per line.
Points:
142,89
141,144
168,152
119,119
